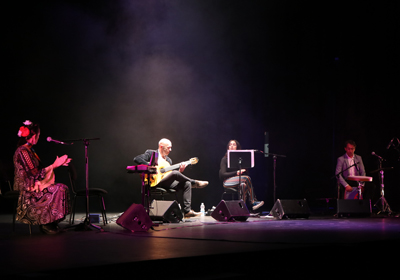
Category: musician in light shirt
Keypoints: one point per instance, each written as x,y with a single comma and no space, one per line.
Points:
350,159
173,179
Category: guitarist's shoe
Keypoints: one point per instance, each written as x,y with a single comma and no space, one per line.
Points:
192,214
199,184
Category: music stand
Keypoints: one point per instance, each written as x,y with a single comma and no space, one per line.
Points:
240,159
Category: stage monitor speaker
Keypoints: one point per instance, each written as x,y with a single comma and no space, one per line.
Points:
166,211
231,210
135,219
290,208
354,207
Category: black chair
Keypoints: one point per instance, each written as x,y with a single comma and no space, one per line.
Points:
100,193
230,191
8,193
161,192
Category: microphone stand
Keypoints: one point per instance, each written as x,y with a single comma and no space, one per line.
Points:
87,224
274,156
240,188
337,176
382,202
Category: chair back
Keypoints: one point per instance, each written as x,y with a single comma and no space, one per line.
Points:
73,175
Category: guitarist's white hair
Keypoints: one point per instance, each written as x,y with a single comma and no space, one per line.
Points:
164,141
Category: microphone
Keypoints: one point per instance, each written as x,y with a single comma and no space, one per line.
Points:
49,139
374,154
266,144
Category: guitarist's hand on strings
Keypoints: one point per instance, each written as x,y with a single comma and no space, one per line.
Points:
182,167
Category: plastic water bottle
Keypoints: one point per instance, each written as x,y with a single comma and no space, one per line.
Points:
202,209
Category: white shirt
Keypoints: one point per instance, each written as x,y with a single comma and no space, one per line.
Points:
350,161
162,162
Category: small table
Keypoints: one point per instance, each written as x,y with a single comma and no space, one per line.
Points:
360,179
145,171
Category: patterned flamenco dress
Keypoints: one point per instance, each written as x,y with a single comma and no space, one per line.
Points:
51,204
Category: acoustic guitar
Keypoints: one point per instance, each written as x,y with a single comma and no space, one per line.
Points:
163,170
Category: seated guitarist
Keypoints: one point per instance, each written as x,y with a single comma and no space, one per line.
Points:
173,179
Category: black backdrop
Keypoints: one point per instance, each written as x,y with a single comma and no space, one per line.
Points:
201,73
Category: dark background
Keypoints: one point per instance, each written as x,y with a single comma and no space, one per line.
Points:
201,73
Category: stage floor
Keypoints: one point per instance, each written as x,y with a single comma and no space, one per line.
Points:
203,248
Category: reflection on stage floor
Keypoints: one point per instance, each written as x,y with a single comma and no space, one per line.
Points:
204,248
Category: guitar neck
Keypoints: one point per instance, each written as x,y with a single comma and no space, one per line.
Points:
173,167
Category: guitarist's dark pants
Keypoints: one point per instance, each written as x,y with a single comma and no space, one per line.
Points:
177,181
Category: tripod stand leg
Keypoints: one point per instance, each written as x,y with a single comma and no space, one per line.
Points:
385,208
379,202
84,226
384,205
96,227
